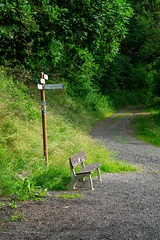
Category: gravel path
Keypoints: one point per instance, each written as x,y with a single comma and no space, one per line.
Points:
122,206
135,195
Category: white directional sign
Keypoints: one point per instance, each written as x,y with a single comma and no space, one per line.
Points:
42,81
53,86
39,86
45,77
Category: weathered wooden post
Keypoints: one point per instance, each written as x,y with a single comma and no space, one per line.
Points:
44,126
42,87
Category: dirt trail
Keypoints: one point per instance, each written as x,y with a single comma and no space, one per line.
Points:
122,206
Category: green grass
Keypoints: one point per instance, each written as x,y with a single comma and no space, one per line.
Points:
16,217
117,166
148,126
66,196
22,169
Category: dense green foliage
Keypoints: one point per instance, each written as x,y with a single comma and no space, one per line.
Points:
45,30
66,39
141,47
79,41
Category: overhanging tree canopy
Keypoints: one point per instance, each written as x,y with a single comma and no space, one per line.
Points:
29,29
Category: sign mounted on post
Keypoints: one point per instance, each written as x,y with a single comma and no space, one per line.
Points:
44,87
50,86
42,81
53,86
45,77
39,86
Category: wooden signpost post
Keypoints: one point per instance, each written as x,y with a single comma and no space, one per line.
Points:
44,87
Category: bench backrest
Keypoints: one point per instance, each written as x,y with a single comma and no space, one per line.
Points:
77,159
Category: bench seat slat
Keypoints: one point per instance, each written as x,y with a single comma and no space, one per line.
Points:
89,168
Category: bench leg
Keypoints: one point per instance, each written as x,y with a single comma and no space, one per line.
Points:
99,175
90,182
73,183
74,180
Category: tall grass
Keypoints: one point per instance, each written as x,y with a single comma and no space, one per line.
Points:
148,125
22,169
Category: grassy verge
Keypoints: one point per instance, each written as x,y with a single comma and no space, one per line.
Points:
147,125
22,168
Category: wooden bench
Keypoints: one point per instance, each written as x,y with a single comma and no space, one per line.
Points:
77,159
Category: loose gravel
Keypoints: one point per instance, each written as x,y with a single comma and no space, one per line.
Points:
136,194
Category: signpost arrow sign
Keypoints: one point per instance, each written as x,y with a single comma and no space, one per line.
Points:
53,86
50,86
